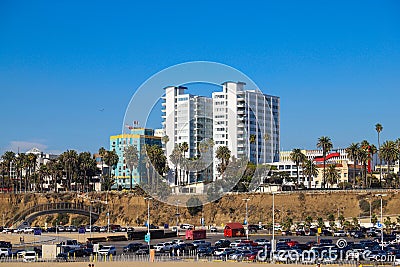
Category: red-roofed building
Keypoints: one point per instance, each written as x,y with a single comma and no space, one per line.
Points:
234,230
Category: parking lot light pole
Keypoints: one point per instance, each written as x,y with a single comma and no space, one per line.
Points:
148,219
273,227
247,219
177,217
90,218
381,222
370,210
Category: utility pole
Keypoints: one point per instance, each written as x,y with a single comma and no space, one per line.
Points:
148,220
247,220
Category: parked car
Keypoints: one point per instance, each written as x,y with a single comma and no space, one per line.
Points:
152,226
201,243
132,247
213,229
5,244
107,250
186,226
300,232
339,233
164,247
262,241
5,252
204,251
220,251
143,250
30,256
358,234
253,228
222,243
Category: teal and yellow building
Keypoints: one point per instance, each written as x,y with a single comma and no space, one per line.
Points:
138,137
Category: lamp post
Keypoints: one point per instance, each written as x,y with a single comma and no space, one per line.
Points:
381,196
247,220
148,219
370,210
177,217
90,218
273,227
108,214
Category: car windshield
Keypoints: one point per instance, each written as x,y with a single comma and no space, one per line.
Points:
30,254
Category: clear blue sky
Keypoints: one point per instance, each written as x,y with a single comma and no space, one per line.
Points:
335,64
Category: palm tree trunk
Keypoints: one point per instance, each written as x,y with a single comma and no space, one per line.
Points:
323,180
380,161
130,181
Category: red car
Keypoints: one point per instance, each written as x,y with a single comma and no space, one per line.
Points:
292,243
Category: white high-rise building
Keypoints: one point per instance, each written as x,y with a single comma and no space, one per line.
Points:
186,118
247,122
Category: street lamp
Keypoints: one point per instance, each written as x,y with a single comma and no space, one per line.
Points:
148,220
381,196
90,218
370,210
177,217
247,220
108,214
273,226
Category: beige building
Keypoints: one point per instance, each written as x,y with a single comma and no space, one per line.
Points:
343,170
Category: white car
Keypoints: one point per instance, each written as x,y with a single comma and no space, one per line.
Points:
178,241
5,252
108,250
340,233
186,226
262,242
162,247
220,251
30,256
28,230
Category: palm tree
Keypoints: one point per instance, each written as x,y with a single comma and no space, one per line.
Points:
398,150
184,147
373,151
310,169
176,158
70,162
363,156
102,153
111,159
8,158
325,143
165,139
297,157
42,172
379,129
31,160
223,154
88,168
352,153
19,165
131,155
332,175
389,153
